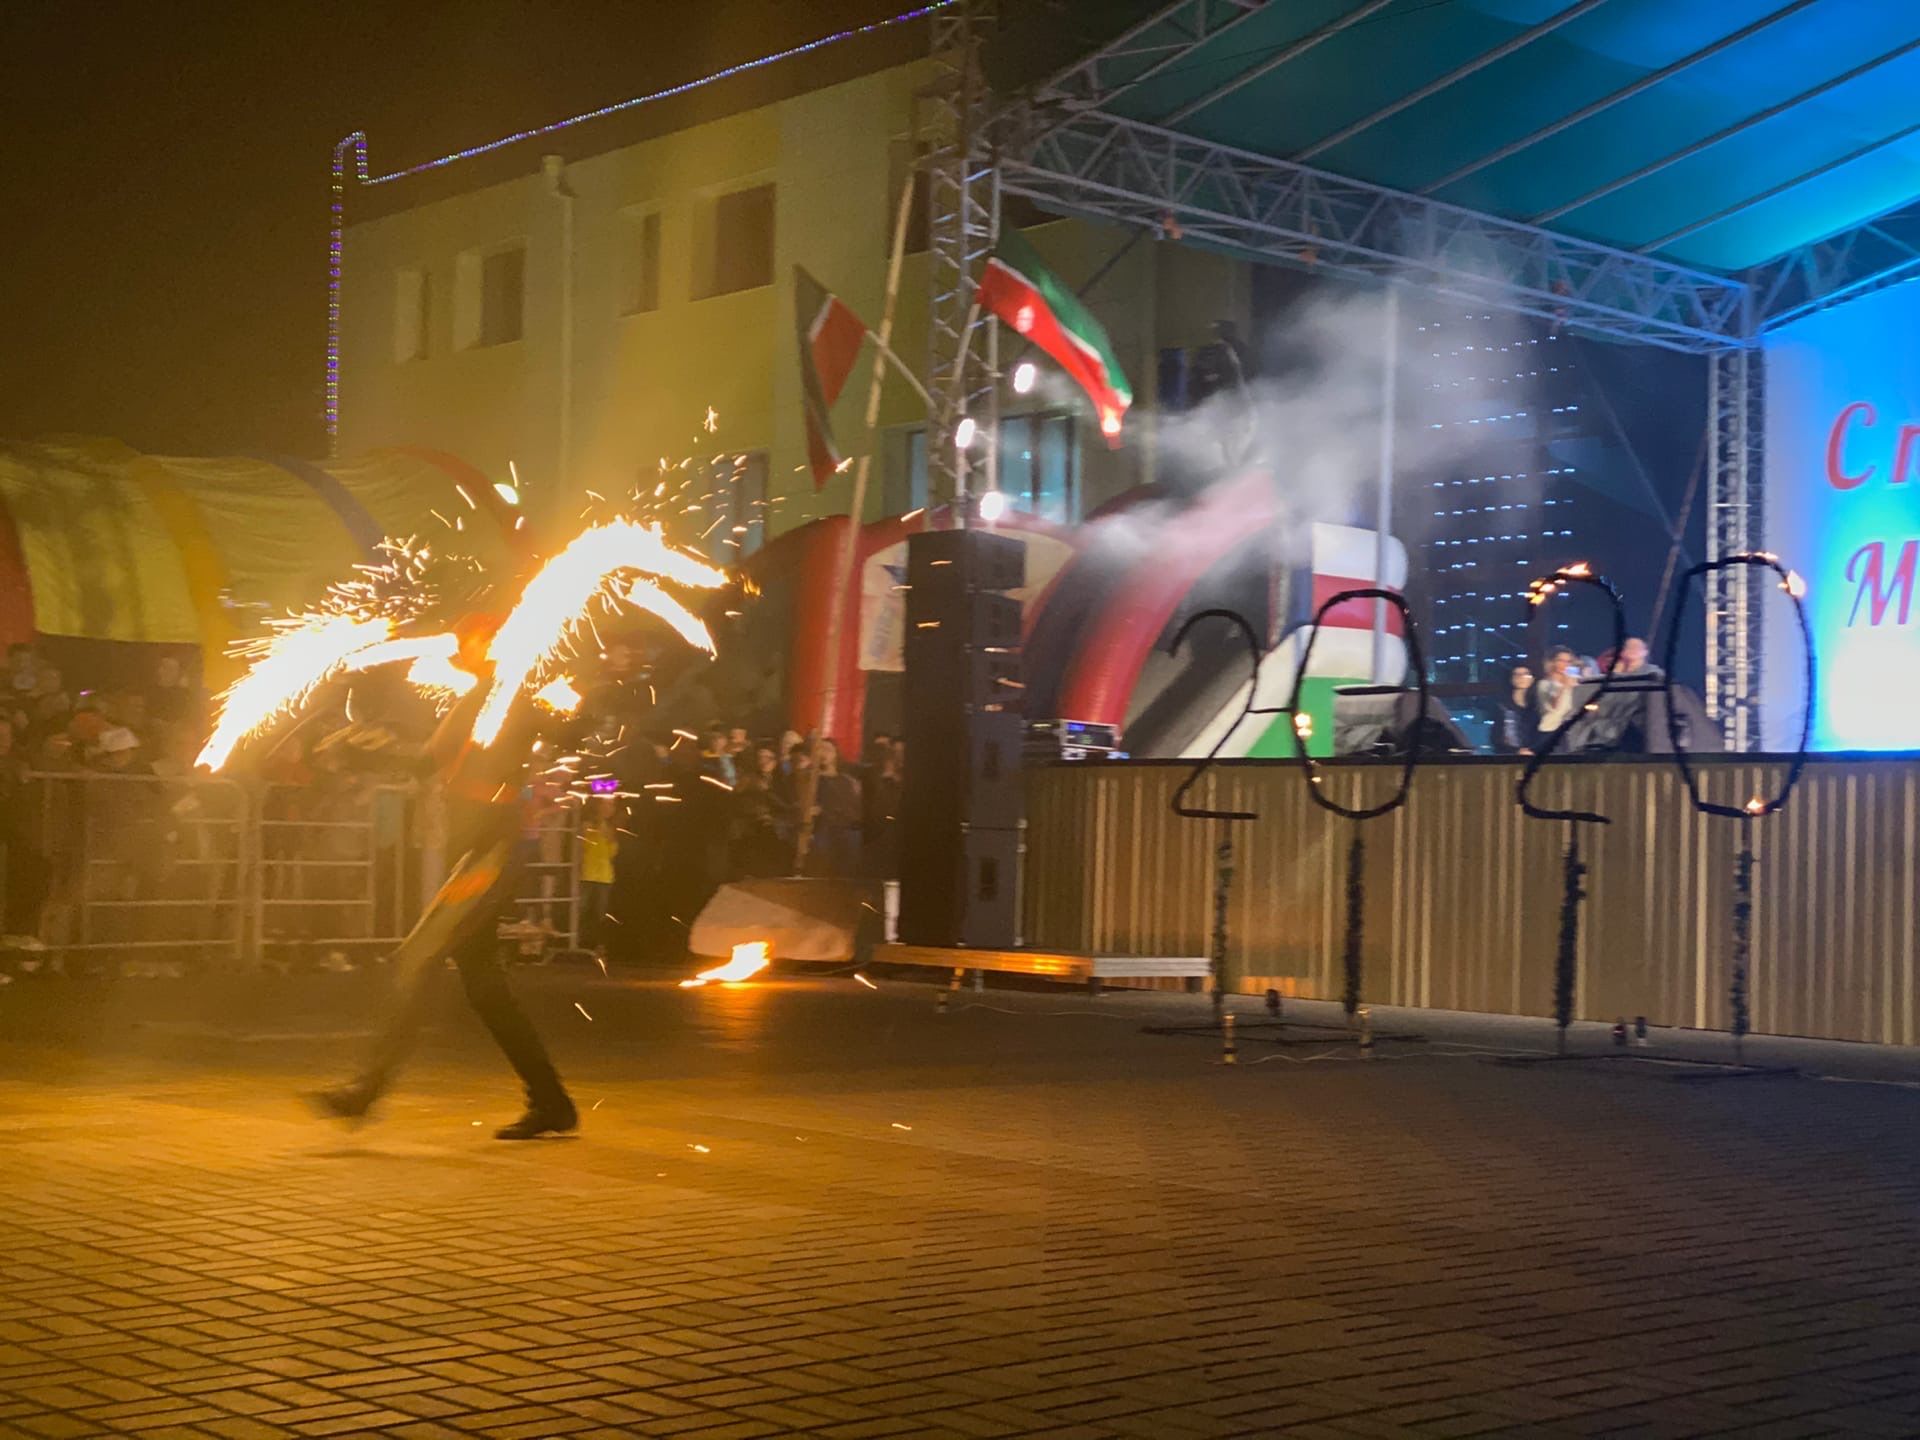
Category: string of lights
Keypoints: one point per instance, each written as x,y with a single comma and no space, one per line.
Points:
351,151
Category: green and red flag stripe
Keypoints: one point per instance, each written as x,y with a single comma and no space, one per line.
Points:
830,339
1019,288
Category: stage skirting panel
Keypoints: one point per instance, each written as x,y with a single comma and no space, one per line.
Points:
1462,891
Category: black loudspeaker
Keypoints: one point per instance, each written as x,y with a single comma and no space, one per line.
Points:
975,560
963,803
965,889
986,750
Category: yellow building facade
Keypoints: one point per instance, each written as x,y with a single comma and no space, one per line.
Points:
581,318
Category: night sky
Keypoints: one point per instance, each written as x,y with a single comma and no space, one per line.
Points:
165,169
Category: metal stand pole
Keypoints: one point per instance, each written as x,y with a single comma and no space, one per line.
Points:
1383,494
1222,893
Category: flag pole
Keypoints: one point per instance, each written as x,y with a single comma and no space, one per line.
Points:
843,577
901,368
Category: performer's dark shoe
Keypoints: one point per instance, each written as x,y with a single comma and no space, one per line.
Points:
552,1117
341,1102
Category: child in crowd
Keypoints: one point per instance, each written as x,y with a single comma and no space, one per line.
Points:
599,844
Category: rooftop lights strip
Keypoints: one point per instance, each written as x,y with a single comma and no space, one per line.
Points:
353,149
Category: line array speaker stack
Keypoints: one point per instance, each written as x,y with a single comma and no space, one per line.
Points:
960,832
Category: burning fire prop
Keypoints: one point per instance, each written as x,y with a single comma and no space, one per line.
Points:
748,961
356,629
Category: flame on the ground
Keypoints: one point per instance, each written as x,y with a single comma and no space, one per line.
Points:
748,961
558,600
286,667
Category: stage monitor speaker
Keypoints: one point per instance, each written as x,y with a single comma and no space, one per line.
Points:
1382,722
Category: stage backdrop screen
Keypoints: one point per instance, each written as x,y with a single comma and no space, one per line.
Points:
1842,507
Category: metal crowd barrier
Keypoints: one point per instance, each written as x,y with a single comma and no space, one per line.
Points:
140,863
550,902
332,869
188,868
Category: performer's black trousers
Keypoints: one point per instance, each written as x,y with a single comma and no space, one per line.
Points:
461,924
477,957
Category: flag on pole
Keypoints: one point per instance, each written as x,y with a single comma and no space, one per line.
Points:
830,340
1041,307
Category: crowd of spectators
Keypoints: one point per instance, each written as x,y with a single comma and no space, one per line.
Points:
696,801
131,836
699,808
1536,706
144,729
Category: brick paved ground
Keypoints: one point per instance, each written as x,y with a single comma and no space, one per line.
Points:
813,1209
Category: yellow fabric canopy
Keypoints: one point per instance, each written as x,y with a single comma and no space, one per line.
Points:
101,542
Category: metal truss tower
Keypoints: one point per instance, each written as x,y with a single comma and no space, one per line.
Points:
962,206
1735,407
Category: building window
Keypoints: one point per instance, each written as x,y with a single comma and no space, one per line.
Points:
1040,466
412,313
490,295
640,262
738,251
740,497
906,474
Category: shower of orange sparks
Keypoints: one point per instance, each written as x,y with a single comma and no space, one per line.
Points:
559,695
558,600
286,667
353,631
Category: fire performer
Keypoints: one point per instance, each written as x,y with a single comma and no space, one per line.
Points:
481,750
483,786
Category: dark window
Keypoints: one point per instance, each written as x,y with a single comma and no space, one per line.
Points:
740,241
503,294
643,263
740,499
413,314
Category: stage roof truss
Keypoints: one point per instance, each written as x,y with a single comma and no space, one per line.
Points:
1091,139
1102,166
1883,252
1142,51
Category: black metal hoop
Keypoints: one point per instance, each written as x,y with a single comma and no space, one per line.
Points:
1239,621
1311,766
1537,593
1789,582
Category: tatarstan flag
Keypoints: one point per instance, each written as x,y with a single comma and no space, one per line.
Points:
830,340
1022,291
